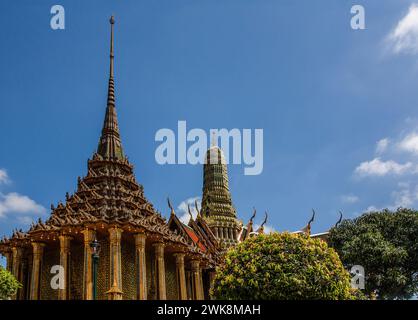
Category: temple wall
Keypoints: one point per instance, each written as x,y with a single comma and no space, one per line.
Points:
51,257
103,273
27,283
76,271
128,271
171,277
150,265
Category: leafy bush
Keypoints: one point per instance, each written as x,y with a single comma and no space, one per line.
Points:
385,243
8,284
282,266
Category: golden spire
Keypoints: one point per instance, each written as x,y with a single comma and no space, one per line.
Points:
110,146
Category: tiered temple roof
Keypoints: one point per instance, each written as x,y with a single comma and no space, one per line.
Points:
108,195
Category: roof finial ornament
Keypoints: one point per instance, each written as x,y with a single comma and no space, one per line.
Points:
170,206
197,208
253,216
265,220
261,228
190,212
307,229
339,220
313,217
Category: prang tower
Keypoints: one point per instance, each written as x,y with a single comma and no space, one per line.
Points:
217,209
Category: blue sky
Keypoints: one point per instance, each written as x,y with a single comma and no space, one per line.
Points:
338,106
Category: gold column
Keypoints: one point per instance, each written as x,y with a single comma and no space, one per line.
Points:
89,236
115,291
181,276
38,250
141,266
159,256
197,280
65,242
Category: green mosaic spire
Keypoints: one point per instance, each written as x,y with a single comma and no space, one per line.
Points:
217,208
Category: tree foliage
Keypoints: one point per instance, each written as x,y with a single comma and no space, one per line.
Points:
8,284
385,243
282,266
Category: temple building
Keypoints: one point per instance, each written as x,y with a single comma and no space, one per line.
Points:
141,255
110,241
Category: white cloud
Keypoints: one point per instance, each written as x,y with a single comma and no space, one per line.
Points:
182,210
404,37
26,220
267,228
382,145
4,178
403,164
406,196
409,143
371,208
16,203
377,167
349,198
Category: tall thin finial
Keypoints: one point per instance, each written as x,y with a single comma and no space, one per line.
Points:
112,22
213,142
110,146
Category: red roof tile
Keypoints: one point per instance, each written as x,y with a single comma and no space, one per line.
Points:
195,238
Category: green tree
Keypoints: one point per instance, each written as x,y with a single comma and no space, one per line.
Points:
282,266
8,284
385,243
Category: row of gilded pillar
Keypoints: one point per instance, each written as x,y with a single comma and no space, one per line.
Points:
14,264
225,233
